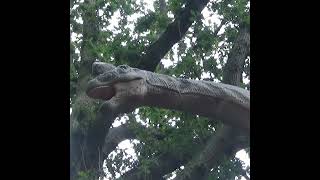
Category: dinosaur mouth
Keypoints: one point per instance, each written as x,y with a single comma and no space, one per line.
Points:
102,92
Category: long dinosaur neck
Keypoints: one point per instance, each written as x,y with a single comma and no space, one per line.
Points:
227,103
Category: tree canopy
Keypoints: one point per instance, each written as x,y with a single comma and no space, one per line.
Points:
193,39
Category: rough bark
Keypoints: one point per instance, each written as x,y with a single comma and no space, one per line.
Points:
232,72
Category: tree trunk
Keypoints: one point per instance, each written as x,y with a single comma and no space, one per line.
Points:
82,159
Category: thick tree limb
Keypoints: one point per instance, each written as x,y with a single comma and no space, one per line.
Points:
86,149
232,72
244,174
223,144
169,162
174,32
123,132
79,160
115,136
165,164
90,37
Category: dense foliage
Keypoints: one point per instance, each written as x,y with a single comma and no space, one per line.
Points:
122,32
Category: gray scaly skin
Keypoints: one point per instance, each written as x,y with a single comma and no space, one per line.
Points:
125,88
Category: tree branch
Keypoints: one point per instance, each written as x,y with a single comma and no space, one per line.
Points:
168,162
174,32
244,174
165,163
223,143
77,136
232,73
123,132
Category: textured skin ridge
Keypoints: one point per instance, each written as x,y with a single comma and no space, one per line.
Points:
198,87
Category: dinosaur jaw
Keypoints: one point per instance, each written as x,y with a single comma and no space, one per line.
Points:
107,89
104,92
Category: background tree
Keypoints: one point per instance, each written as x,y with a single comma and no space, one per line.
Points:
195,39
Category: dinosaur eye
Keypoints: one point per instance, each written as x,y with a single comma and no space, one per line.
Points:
123,66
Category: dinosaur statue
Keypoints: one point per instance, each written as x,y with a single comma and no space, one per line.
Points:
125,88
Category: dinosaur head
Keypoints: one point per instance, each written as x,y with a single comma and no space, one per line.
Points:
104,85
